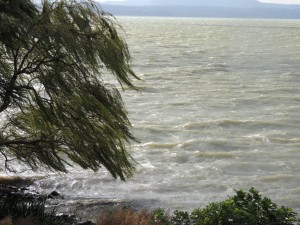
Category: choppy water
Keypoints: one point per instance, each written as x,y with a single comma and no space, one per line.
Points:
219,110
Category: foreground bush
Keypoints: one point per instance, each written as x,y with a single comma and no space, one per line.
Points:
242,209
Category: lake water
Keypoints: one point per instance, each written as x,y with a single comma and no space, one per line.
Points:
219,110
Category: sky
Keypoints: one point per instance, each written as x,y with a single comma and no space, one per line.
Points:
281,1
264,1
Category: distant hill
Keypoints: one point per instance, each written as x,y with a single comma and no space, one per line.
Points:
256,11
225,3
214,3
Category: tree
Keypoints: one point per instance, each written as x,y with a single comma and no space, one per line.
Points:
55,107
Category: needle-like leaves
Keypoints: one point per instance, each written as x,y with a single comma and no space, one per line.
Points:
55,108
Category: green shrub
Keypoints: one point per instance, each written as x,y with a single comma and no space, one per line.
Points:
242,209
180,218
159,217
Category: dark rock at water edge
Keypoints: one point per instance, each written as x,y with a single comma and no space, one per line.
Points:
85,223
20,194
55,195
72,220
24,194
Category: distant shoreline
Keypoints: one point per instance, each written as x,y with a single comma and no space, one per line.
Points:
203,12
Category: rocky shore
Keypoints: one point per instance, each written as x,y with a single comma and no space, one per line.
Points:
25,194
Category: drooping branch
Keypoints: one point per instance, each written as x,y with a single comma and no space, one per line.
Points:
56,104
24,142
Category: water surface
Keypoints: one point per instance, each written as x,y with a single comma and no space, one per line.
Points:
219,110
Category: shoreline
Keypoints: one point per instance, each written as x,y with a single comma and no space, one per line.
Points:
18,190
87,209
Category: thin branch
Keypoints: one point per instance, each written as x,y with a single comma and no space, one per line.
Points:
6,161
27,54
9,89
24,142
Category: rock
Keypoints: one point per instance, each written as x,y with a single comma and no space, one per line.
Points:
54,195
24,194
9,191
68,219
85,223
71,220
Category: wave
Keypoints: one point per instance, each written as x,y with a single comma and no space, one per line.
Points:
230,123
161,145
178,144
276,177
211,154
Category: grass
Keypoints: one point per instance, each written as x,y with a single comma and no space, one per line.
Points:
126,217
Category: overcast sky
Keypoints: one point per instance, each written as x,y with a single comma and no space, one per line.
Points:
265,1
281,1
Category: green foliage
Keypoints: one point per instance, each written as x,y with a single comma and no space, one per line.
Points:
180,218
160,217
245,208
55,106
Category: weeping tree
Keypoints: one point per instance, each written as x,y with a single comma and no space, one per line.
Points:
56,110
